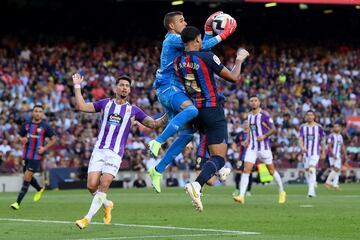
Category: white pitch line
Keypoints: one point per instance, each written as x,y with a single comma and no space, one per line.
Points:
163,236
136,225
306,206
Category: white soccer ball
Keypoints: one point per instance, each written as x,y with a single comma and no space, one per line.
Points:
219,22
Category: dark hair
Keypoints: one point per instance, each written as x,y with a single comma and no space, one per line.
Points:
168,18
38,106
189,34
254,96
311,111
124,77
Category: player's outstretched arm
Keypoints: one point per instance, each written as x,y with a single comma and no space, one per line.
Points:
80,103
155,123
234,74
229,29
208,26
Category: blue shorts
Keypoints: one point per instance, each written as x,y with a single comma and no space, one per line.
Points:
32,165
212,123
171,99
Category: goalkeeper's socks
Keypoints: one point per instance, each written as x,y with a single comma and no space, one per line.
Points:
175,149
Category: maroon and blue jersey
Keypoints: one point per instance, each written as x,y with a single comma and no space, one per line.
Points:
241,137
195,71
202,148
36,134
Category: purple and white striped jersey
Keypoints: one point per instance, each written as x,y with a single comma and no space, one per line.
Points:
336,140
115,124
312,136
259,124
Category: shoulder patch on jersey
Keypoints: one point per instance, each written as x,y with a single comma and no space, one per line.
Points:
216,59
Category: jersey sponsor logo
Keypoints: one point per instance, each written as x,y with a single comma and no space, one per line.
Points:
216,60
115,119
253,127
310,137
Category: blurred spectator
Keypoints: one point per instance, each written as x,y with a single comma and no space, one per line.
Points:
184,179
288,78
300,178
139,182
351,178
172,181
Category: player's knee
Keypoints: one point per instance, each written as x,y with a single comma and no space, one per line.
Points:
312,170
192,111
336,170
247,171
92,187
271,171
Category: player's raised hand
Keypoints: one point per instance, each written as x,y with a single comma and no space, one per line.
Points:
209,21
77,78
229,29
242,54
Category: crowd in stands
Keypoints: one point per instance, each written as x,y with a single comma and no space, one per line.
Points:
288,79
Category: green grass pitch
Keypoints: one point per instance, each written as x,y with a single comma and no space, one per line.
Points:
142,214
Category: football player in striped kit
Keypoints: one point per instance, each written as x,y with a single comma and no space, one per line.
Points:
261,127
117,117
336,150
312,144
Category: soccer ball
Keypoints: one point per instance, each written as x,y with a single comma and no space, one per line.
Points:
219,22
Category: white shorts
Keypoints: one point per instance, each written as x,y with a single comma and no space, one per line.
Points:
105,161
264,155
311,161
335,163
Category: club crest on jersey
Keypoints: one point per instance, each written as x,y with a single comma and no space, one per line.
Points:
115,119
38,130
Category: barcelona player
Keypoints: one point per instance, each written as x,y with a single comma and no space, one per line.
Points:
171,93
33,135
195,69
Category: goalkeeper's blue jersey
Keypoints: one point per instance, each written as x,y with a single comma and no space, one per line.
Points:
173,47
